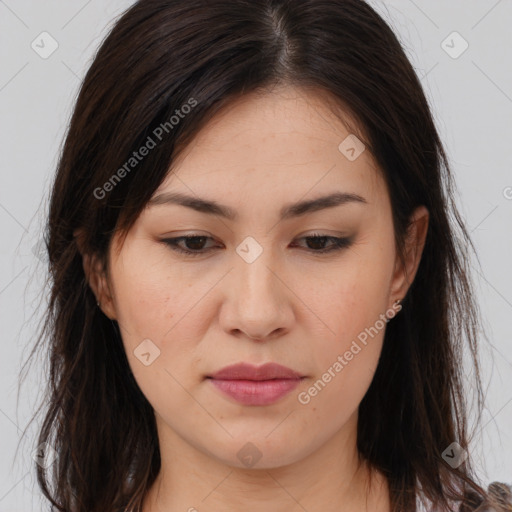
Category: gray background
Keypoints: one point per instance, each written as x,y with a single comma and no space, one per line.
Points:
471,97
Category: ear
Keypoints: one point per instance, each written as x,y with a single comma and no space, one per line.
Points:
96,276
415,241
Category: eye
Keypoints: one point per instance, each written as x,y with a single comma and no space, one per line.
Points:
194,244
337,243
195,241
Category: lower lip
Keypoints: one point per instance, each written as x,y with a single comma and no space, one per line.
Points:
256,392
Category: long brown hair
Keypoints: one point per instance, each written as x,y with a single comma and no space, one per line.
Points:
164,54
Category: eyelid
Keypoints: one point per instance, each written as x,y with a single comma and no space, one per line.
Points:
338,243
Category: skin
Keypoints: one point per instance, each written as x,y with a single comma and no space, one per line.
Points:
290,306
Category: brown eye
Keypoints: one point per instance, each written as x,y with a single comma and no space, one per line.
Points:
318,243
194,244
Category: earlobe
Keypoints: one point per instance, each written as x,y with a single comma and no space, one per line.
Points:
95,275
405,272
98,281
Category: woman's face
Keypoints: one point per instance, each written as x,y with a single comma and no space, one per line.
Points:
259,290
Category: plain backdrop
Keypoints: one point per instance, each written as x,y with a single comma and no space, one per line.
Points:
461,50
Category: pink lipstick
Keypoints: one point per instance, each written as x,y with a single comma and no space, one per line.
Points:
256,385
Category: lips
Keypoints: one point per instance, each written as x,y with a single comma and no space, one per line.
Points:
256,385
246,371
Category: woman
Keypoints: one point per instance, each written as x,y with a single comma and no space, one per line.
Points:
259,301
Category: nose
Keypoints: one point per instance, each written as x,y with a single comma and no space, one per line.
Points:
258,302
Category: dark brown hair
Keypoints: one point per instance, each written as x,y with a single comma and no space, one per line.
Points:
161,55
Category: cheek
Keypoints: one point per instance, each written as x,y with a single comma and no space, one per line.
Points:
145,300
353,307
143,304
149,314
155,303
347,360
356,297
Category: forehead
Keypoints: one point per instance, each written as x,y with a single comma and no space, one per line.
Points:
286,139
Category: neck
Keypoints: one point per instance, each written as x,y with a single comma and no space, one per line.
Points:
331,479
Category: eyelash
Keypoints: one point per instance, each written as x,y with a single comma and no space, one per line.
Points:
338,244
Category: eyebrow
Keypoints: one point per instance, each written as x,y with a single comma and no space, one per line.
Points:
288,211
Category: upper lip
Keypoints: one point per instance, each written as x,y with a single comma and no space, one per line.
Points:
246,371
